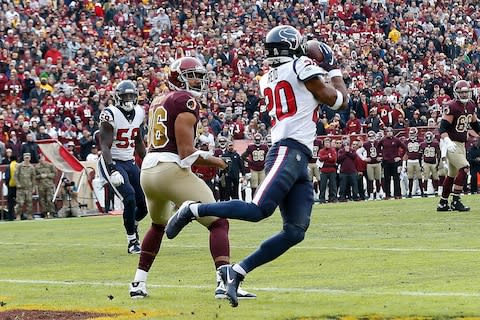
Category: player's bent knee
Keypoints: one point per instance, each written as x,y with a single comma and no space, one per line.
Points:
294,233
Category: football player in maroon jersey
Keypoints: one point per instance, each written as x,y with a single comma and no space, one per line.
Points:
255,156
414,157
166,174
431,160
459,115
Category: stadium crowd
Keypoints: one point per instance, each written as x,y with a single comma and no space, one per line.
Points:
61,60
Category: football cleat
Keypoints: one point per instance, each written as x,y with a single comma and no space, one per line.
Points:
179,220
459,206
232,280
443,206
134,246
221,291
138,290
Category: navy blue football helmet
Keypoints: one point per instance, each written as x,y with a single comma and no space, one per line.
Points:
126,95
283,44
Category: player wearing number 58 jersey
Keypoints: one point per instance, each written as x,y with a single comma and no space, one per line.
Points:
459,115
166,174
292,88
119,138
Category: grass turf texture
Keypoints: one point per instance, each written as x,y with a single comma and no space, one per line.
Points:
378,259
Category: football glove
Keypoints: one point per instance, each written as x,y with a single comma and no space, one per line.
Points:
329,62
449,145
116,179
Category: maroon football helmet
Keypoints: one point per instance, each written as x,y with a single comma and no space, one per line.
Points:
413,133
188,74
429,136
462,91
371,135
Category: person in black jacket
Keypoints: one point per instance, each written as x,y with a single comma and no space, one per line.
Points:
473,157
233,172
30,147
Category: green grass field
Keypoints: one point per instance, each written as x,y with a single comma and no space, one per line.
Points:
382,259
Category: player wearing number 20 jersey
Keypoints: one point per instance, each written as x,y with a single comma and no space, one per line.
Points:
119,138
293,88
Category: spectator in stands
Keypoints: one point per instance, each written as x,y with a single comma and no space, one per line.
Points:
373,121
353,125
86,143
30,147
94,154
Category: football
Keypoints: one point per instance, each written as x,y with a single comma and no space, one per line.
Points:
313,51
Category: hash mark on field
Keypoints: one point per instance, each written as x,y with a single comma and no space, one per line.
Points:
304,290
169,245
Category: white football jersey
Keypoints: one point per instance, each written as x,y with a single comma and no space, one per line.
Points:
124,131
292,107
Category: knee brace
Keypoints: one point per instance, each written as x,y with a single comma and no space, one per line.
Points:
294,233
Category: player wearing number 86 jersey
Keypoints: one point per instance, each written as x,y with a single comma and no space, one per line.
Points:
459,115
166,175
119,138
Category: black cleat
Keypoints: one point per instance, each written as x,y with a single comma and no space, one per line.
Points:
232,280
443,206
458,206
179,220
134,247
221,290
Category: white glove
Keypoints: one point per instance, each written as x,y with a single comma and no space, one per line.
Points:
116,179
449,144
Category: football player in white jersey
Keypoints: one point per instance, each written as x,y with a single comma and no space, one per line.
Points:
293,88
119,138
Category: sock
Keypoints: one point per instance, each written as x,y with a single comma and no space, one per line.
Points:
131,237
447,187
194,208
219,242
238,268
150,246
140,276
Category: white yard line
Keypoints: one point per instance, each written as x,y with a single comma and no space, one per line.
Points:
170,245
270,289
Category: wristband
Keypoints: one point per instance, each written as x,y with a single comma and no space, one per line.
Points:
335,73
111,168
338,102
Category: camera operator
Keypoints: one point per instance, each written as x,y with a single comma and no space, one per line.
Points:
70,204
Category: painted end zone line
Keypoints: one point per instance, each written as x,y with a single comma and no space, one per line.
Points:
306,290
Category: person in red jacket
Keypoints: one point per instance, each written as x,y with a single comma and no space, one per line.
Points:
353,125
361,166
348,172
328,171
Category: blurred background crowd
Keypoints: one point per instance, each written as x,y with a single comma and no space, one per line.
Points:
60,60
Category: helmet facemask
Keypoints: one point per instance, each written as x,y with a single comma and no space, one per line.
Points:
195,81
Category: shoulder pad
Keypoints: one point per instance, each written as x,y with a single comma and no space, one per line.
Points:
306,69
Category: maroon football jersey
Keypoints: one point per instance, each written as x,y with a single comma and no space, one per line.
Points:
462,116
372,151
161,119
413,149
256,156
430,151
317,145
